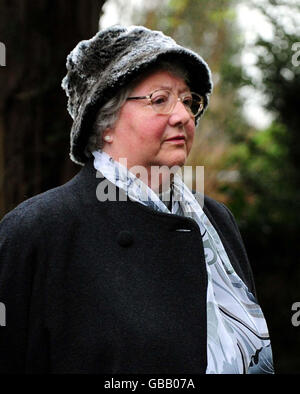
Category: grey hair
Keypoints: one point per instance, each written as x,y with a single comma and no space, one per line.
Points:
106,118
108,114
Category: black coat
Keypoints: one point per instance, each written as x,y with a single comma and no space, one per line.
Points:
106,287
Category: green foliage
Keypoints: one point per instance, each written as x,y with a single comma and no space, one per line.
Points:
268,161
265,193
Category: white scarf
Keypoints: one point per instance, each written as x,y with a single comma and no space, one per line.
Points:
237,335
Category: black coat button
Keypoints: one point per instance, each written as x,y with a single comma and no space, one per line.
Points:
125,238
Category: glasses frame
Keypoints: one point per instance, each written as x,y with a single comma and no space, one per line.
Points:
149,98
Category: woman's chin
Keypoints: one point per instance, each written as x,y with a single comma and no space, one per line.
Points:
177,159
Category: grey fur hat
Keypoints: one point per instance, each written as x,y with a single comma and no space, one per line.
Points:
99,67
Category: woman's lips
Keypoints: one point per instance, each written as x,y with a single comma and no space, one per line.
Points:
178,140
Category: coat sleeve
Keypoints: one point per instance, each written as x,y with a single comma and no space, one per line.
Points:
21,294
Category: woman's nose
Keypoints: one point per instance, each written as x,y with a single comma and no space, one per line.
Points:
179,115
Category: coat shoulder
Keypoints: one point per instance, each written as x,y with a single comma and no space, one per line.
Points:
219,211
214,208
35,212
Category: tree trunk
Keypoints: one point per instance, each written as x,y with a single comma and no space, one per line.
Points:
34,123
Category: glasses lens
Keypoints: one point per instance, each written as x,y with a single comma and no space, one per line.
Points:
161,101
196,104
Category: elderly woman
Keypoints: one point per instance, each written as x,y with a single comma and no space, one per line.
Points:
123,270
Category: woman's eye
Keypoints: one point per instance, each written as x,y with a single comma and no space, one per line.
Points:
188,101
159,100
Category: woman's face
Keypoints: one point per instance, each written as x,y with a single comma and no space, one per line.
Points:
145,138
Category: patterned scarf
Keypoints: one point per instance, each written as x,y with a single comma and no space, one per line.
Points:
237,335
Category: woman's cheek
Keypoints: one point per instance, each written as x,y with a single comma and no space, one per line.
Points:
154,131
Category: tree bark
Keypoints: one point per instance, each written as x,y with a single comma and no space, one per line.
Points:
34,123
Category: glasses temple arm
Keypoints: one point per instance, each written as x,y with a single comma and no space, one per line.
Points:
138,97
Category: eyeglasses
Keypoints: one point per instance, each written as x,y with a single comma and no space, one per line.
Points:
164,101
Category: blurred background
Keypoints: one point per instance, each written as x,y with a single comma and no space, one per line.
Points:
248,140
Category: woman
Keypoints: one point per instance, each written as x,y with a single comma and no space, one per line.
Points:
121,270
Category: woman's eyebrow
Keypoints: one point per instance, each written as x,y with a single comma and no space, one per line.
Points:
168,87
